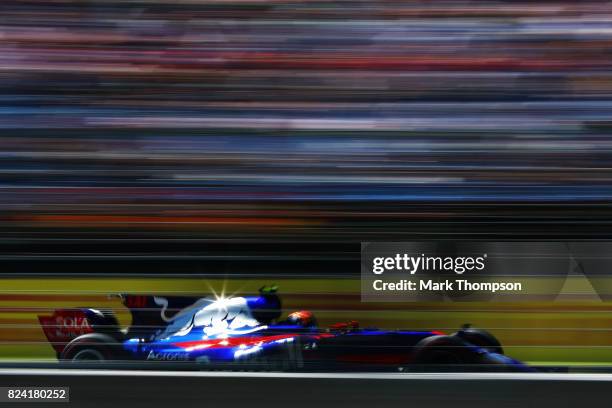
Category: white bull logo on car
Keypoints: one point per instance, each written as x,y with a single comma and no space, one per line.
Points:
217,318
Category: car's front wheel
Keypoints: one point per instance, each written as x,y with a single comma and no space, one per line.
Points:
480,338
441,350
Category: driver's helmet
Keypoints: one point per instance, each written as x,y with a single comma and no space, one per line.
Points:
302,318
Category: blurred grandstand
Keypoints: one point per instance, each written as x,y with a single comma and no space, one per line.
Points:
318,120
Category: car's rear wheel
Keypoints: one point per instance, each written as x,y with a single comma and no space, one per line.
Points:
92,347
88,354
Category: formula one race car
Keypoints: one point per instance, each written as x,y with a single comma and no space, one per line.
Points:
246,333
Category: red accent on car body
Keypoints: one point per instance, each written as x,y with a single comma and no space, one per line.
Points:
63,326
233,342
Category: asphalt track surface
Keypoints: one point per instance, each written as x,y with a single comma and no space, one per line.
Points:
90,388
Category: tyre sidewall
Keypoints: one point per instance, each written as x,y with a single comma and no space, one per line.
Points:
481,338
104,345
432,349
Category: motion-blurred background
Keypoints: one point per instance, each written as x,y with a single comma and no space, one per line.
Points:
234,143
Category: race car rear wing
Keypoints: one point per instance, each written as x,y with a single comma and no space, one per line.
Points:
150,314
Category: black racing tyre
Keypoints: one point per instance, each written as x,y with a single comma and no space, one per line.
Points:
92,347
480,338
441,350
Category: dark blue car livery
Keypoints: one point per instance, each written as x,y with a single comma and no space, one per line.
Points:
248,332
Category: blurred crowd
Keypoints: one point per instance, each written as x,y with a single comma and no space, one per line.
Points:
301,118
